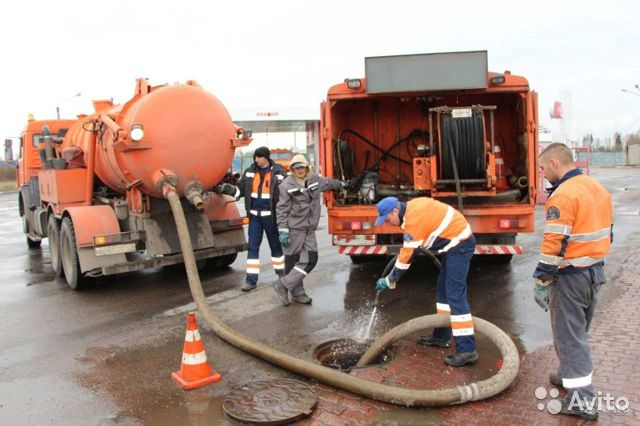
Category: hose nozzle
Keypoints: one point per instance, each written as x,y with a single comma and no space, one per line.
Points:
377,299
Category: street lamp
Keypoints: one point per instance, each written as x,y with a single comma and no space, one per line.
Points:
71,97
633,92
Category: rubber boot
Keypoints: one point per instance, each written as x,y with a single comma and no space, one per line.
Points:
461,358
247,287
433,341
282,292
556,379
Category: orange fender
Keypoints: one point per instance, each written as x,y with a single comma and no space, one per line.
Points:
89,221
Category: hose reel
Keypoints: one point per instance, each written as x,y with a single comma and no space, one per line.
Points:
461,135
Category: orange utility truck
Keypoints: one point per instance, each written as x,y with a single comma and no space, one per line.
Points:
94,186
434,125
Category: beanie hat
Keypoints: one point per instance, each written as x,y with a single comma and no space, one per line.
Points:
263,151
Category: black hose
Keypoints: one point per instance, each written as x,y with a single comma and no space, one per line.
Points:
449,146
392,261
385,153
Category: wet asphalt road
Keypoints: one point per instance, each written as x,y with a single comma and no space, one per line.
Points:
104,355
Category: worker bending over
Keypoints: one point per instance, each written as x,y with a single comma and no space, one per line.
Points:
298,214
430,224
577,237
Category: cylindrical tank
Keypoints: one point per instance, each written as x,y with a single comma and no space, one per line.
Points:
186,131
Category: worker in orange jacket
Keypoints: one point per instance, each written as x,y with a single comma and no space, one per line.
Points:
434,225
577,237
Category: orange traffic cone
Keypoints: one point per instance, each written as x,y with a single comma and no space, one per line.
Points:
502,182
195,370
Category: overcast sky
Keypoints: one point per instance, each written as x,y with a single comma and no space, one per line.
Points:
288,53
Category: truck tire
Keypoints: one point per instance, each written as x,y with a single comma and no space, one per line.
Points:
69,255
53,233
223,261
358,259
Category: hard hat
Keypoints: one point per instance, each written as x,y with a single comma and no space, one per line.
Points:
297,161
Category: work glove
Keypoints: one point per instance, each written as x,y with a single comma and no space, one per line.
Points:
285,238
228,189
541,294
382,285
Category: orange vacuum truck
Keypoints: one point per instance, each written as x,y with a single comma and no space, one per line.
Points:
434,125
94,186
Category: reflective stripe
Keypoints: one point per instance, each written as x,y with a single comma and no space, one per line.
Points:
279,177
591,236
265,196
250,174
253,266
578,382
443,225
466,233
550,260
554,228
460,318
302,271
462,331
390,283
260,213
443,308
580,261
412,244
292,190
254,195
278,262
400,265
192,336
313,185
194,359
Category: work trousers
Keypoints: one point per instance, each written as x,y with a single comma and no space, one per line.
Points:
572,302
300,257
451,296
259,225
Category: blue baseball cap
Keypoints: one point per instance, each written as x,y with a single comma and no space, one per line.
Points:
385,206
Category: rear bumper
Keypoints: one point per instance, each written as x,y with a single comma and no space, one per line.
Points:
481,249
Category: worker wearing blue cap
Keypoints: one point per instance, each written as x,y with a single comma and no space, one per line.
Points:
433,225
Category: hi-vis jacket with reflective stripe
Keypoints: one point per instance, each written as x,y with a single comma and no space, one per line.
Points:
430,224
578,230
246,189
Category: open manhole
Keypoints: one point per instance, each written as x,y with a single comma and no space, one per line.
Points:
344,354
270,402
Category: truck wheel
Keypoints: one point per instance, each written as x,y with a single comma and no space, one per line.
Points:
69,255
224,261
53,233
357,259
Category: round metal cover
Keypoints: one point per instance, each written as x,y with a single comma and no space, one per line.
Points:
270,402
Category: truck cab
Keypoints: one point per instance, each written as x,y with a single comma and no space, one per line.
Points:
32,147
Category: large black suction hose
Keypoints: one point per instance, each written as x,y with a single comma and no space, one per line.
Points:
408,397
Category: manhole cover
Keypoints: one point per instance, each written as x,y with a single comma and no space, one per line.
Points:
270,402
344,354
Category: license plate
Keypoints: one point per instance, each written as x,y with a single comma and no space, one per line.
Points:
115,249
